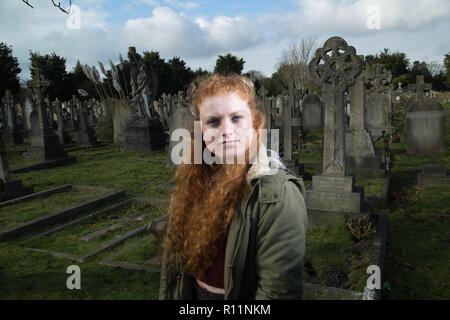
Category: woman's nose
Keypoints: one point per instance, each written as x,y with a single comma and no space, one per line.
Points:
226,129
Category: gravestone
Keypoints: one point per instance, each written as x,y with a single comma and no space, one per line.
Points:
9,189
86,135
27,106
64,136
11,133
425,122
433,175
181,119
378,109
287,122
72,125
419,89
336,66
361,156
44,143
312,113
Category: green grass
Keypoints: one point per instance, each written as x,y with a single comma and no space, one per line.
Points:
372,186
68,239
333,259
141,253
26,211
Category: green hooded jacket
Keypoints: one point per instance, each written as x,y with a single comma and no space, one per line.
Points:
265,244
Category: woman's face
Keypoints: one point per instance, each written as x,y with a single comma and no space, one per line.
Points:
227,117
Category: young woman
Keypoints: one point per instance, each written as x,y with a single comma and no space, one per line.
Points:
236,230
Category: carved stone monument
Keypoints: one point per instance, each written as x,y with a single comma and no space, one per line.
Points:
361,156
44,143
144,129
336,66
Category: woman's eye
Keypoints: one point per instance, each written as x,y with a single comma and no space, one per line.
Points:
213,122
236,118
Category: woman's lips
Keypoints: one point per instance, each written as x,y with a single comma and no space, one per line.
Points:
230,142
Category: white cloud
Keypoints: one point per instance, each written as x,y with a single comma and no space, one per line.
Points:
416,28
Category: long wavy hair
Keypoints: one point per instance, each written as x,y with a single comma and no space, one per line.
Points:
207,195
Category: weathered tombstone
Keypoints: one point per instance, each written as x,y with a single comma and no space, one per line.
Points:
86,135
181,119
72,125
9,189
433,175
287,122
336,66
360,153
63,135
378,100
419,89
44,143
425,122
11,132
312,113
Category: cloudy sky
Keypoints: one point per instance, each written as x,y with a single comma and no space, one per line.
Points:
200,30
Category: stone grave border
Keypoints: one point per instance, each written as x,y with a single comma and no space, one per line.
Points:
46,164
59,215
377,259
153,228
130,234
330,293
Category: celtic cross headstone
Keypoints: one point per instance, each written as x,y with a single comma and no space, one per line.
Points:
336,67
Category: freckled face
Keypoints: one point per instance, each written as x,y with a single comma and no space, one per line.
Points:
229,117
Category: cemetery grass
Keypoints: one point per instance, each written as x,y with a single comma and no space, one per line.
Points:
32,275
68,240
28,210
417,257
334,259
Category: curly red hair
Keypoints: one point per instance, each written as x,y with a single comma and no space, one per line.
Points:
206,196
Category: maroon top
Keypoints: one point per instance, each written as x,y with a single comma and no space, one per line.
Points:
214,275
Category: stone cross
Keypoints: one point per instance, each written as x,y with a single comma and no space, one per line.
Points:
39,84
287,122
336,66
420,87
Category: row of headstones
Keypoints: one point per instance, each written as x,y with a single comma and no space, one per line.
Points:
73,115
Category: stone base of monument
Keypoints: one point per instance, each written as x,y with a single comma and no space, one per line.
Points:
144,135
13,189
44,147
361,157
335,195
12,137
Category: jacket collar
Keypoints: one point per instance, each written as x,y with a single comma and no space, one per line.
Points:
267,162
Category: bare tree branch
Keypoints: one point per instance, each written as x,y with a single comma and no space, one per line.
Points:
26,1
56,5
60,8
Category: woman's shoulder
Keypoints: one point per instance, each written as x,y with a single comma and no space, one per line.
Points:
271,188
